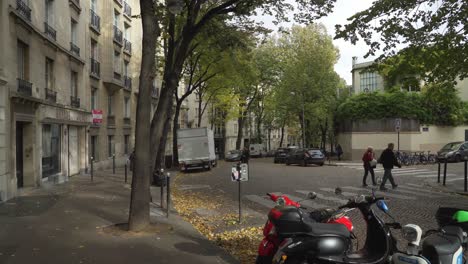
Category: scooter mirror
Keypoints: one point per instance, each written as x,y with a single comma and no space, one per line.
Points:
338,191
312,195
382,206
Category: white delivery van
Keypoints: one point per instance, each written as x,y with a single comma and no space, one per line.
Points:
196,148
256,150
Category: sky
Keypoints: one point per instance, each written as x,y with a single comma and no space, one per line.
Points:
343,10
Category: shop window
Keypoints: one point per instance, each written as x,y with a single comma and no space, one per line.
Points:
50,149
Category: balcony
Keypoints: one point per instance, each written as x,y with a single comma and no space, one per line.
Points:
74,49
24,87
50,95
75,101
110,120
127,10
155,92
95,68
128,83
127,46
95,22
76,4
117,76
50,31
118,36
127,121
120,2
23,9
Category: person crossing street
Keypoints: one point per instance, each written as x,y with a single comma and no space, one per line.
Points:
388,160
368,160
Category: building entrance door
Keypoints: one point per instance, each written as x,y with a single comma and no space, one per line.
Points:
19,155
74,150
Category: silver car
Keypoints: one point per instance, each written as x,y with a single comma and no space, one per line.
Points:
454,151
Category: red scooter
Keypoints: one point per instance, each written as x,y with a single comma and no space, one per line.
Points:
297,219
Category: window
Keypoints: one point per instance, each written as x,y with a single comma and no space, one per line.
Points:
126,32
116,18
74,84
50,149
22,58
127,107
94,50
126,68
74,26
49,12
94,148
117,62
110,109
126,144
49,74
93,5
94,98
110,145
368,81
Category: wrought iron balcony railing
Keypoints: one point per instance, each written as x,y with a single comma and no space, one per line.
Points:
118,36
23,9
127,121
95,68
74,49
50,95
128,83
95,21
24,87
50,31
127,46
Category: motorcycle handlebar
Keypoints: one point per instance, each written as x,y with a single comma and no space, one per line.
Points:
352,203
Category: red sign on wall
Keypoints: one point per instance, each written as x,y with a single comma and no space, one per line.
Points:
97,116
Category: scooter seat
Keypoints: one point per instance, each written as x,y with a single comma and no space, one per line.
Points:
440,244
320,229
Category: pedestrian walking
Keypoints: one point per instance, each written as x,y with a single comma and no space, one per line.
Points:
339,151
245,155
388,160
369,163
131,161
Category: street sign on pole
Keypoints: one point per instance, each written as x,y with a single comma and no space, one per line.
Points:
240,173
397,124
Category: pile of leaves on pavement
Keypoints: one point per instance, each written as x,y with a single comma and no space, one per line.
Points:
242,242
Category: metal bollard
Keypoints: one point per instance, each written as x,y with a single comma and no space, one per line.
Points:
168,193
438,172
445,171
92,169
113,163
125,172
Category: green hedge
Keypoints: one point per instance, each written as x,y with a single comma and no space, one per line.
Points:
437,104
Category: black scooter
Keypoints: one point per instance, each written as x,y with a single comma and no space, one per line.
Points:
328,246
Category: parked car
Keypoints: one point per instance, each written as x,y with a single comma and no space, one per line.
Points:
233,155
454,151
271,153
281,154
304,157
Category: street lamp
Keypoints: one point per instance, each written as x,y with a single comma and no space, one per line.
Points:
175,6
303,122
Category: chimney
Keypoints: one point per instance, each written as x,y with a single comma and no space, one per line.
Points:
354,60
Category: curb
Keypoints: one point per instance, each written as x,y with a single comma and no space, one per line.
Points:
444,189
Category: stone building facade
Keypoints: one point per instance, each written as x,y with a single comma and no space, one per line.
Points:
61,60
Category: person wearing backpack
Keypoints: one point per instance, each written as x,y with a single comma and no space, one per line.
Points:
388,160
369,164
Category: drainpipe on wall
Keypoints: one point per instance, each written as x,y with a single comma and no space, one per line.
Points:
68,151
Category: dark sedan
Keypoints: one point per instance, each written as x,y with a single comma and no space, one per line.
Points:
304,157
233,155
281,154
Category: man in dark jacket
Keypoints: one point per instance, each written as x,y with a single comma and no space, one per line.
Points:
245,155
388,160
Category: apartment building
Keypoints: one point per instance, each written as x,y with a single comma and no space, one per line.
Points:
60,62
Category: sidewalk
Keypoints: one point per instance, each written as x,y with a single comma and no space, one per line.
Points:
450,187
68,223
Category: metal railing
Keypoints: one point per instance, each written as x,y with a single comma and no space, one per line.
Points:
117,76
76,2
95,21
127,46
23,9
127,9
119,1
111,120
74,49
75,101
95,68
50,31
50,95
118,36
128,82
24,87
127,121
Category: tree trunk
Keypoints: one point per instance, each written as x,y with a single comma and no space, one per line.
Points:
199,110
282,136
240,124
161,148
139,213
259,132
175,126
269,139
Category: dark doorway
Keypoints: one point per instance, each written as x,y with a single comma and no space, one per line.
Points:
19,154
